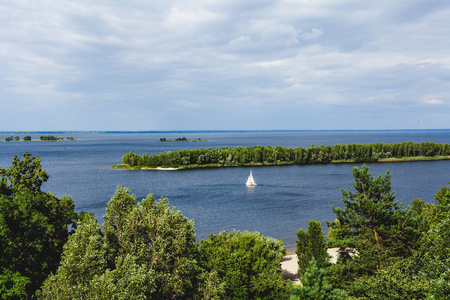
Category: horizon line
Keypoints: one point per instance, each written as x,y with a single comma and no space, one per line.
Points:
213,131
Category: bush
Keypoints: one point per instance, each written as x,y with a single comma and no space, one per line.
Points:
248,263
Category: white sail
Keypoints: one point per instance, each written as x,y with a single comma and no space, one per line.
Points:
250,180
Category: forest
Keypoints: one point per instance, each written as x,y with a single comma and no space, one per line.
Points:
261,155
148,250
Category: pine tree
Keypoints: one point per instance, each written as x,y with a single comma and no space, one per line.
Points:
372,230
311,245
315,285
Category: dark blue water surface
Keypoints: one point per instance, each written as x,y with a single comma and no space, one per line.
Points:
284,200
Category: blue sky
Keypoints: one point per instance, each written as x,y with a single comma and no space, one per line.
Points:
224,65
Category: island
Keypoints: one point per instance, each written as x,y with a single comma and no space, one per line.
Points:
275,156
42,138
181,139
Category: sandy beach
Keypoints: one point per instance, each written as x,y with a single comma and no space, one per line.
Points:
289,264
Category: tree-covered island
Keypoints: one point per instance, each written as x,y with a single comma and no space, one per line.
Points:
181,139
268,156
42,138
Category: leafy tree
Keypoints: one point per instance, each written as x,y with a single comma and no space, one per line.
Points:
146,250
248,263
27,138
16,138
442,199
8,139
392,283
33,228
25,173
311,245
315,286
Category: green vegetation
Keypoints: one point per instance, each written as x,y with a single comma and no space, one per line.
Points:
260,155
128,257
27,138
311,245
147,250
33,228
386,252
247,263
182,139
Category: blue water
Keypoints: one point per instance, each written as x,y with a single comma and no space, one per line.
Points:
284,200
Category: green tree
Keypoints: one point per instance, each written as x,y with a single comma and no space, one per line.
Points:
315,286
144,250
311,245
442,199
248,263
392,283
372,230
25,173
27,138
33,228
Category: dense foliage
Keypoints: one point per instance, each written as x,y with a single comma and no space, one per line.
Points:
387,252
144,250
311,245
316,286
33,228
50,138
248,263
280,155
147,250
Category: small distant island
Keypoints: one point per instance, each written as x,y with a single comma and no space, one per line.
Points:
42,138
275,156
181,139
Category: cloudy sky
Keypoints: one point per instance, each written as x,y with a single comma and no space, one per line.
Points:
224,65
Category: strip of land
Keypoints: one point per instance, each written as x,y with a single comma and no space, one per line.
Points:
346,161
277,156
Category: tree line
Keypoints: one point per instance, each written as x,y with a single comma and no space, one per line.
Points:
147,249
42,138
261,155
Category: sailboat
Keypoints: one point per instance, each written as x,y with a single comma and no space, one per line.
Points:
250,181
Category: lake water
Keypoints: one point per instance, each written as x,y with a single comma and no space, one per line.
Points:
284,200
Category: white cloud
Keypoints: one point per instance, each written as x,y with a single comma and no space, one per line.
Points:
312,35
432,101
281,56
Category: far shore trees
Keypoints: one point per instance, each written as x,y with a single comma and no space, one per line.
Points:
260,155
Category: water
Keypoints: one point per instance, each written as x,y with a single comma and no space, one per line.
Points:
284,200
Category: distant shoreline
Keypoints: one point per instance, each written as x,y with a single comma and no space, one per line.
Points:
222,131
32,141
209,166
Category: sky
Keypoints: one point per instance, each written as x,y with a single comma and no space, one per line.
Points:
224,65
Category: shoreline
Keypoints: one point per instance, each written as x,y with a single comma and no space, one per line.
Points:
350,161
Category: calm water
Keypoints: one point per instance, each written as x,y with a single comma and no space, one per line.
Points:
285,199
